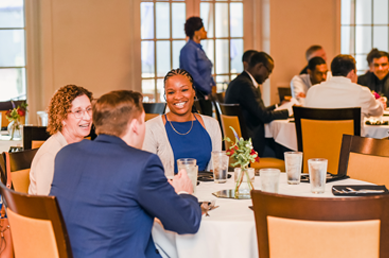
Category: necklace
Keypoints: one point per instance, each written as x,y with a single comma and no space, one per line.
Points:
174,129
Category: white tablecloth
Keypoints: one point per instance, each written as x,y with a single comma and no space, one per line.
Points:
5,143
230,229
284,132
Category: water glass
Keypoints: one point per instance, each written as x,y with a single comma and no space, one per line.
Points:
220,166
317,174
270,178
293,161
191,169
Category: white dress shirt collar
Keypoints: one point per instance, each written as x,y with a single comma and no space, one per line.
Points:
255,83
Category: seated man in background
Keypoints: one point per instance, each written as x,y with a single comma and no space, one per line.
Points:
110,191
378,78
243,90
246,58
311,52
341,91
317,73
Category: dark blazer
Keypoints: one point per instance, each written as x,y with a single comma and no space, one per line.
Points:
110,193
370,80
304,70
242,91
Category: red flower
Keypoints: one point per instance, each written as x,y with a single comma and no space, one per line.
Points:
257,159
8,113
376,95
232,150
21,112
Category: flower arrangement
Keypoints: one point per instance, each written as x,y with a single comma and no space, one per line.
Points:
243,153
14,115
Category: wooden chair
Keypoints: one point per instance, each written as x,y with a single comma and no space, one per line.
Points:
284,92
4,107
37,226
154,109
20,164
232,116
365,159
320,131
34,136
219,97
304,227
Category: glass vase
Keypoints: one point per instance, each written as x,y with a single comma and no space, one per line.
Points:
243,185
14,129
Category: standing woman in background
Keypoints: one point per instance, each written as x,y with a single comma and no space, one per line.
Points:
194,60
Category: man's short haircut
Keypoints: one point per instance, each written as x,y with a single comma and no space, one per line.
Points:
369,57
113,111
260,57
377,54
311,50
193,24
247,55
315,61
341,65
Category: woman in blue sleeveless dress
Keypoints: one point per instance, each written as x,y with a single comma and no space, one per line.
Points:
181,133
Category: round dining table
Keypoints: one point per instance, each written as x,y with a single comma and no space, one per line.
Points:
229,231
284,132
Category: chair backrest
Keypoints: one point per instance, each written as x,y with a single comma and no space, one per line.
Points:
219,97
231,115
294,226
20,164
37,226
154,109
283,92
365,159
319,132
7,105
34,134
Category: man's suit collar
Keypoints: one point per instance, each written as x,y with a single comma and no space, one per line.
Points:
247,76
110,139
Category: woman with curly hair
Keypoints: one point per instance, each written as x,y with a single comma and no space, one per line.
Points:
70,120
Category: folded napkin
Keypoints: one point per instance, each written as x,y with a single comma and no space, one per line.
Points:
330,177
359,190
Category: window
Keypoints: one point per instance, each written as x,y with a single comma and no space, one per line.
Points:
364,25
163,36
12,50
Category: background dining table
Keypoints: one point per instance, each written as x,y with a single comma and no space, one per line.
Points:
284,131
230,230
6,143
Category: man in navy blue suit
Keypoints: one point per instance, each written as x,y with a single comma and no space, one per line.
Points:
110,191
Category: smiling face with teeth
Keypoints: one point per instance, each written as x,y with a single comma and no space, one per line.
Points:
179,97
78,123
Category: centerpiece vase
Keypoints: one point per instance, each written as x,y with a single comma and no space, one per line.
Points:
243,184
14,129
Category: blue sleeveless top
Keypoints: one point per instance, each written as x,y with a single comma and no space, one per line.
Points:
196,144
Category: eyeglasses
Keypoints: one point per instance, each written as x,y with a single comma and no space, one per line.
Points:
267,69
79,113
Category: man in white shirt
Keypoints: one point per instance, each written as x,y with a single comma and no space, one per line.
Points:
341,91
317,73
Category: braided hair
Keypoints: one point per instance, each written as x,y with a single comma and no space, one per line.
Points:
183,72
178,72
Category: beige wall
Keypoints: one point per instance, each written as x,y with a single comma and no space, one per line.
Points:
96,43
296,25
89,43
